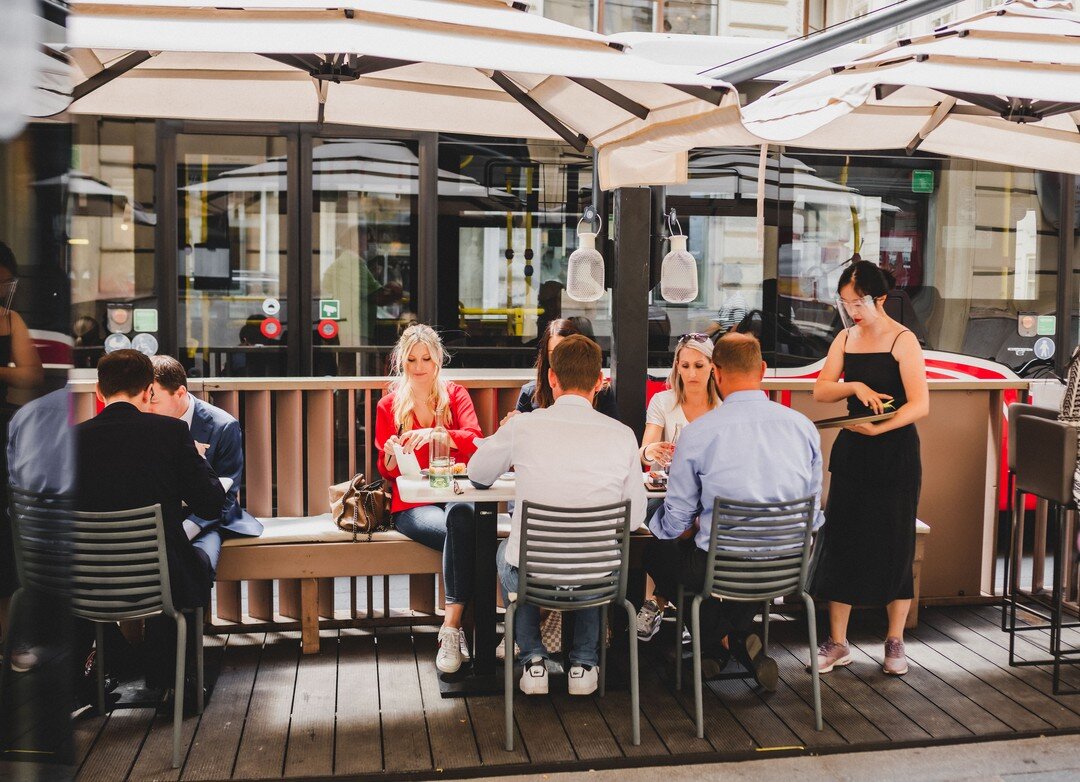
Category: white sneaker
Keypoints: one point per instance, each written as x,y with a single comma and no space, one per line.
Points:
463,646
648,620
534,678
582,681
451,639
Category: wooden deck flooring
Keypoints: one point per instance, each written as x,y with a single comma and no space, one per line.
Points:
368,704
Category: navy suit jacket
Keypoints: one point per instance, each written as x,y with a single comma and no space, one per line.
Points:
225,456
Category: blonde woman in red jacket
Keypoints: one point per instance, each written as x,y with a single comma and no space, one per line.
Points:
420,400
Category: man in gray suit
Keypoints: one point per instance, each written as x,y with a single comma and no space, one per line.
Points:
218,437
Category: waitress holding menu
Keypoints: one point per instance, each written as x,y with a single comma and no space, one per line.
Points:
868,542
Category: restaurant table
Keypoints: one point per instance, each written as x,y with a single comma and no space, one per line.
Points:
483,677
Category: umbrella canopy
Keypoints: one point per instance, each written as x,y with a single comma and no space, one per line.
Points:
469,66
1002,86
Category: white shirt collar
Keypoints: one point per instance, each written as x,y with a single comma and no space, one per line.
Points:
573,399
189,414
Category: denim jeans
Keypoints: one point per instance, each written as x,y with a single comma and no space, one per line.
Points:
451,529
586,649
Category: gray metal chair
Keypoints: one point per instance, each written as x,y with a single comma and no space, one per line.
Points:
570,559
757,552
110,567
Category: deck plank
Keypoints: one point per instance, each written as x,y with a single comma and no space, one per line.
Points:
486,716
615,708
406,746
452,742
1030,645
542,732
358,740
836,712
584,725
1027,686
311,732
899,692
266,730
1012,715
118,746
674,722
213,750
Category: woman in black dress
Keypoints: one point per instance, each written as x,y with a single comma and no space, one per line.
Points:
868,542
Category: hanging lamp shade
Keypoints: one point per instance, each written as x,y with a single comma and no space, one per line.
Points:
678,273
585,271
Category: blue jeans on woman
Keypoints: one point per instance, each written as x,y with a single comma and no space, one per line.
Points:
451,529
586,648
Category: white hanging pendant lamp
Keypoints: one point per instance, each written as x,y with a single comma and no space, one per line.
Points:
585,267
678,272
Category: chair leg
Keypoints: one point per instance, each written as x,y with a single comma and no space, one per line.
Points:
200,674
603,648
695,641
679,596
811,631
508,674
178,692
99,663
635,706
765,627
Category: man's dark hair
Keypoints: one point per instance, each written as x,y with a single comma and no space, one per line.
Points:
577,362
7,260
737,353
126,372
169,373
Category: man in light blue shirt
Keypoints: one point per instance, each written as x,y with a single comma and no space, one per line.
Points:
749,449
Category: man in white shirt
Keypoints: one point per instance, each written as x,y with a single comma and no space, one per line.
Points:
567,455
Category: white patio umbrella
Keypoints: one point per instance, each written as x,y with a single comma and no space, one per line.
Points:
471,66
1002,86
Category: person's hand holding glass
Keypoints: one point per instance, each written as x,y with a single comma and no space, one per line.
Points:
663,452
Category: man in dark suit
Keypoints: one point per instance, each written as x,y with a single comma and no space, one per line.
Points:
217,435
130,458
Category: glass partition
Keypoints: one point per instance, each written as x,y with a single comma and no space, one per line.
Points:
232,263
364,250
507,224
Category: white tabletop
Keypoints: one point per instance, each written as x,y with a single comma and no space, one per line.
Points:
418,490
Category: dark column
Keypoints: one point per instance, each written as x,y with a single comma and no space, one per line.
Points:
630,304
1065,288
427,308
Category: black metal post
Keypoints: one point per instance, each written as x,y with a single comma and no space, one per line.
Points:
427,308
165,239
630,304
1066,290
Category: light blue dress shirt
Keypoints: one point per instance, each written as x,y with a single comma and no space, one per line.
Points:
40,447
749,449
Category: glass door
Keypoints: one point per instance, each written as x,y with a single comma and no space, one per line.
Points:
232,233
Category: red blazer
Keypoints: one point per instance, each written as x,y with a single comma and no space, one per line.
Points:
463,429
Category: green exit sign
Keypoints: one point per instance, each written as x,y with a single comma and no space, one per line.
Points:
922,181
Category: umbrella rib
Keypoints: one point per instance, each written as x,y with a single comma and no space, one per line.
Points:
713,95
1046,108
303,62
571,137
597,87
939,115
101,78
989,102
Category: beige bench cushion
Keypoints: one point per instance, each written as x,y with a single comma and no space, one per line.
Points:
320,529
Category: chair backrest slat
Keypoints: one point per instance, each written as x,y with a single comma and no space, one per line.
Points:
573,557
112,565
759,550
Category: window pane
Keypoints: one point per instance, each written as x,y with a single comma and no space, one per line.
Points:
579,13
508,216
688,16
111,211
232,231
364,250
628,16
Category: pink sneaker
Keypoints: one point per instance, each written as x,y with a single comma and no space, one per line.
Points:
831,654
895,659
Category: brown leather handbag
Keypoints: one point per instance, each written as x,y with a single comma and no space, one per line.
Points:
359,507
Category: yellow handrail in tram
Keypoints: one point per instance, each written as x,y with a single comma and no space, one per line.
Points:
515,315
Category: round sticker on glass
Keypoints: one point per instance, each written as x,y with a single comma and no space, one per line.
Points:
271,328
1044,348
146,344
116,342
328,329
271,307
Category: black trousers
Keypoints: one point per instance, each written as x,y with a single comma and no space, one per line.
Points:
671,562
